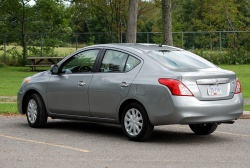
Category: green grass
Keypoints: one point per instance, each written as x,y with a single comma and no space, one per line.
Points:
8,108
247,107
11,78
243,73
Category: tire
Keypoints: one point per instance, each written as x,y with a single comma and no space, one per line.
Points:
203,129
135,123
36,111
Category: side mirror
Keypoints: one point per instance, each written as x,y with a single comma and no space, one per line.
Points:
54,69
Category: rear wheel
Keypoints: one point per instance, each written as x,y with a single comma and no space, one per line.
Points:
36,112
135,123
203,129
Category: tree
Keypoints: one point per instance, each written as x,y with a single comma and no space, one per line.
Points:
167,22
132,21
100,16
21,18
18,11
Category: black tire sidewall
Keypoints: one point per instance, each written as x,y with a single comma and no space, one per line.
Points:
203,130
41,119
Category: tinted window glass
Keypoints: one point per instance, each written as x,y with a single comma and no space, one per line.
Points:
177,60
116,61
113,61
131,63
82,62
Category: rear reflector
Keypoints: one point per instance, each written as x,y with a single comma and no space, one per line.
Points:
238,88
176,87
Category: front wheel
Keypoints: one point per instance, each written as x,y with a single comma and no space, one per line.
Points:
135,123
36,112
203,129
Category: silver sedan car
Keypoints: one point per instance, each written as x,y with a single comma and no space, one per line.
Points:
136,85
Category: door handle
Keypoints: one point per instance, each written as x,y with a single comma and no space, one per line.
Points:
80,83
124,84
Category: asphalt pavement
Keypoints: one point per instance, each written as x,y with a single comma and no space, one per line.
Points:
85,144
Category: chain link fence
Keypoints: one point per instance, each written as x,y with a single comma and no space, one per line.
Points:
220,47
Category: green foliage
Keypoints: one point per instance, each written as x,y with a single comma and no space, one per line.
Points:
34,51
230,57
91,40
14,57
2,64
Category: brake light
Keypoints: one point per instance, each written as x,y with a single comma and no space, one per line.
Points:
176,87
238,88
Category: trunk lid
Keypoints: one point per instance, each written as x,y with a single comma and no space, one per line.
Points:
210,84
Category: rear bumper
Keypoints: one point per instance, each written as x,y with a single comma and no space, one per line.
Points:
189,110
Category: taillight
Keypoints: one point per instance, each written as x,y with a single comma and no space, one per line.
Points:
238,88
176,87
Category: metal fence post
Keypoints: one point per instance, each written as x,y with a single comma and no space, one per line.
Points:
147,37
220,41
182,39
76,41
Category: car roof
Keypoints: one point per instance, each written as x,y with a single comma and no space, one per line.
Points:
140,46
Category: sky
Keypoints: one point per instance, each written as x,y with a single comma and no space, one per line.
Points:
32,2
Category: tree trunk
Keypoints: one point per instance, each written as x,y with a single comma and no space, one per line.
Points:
167,22
132,21
23,43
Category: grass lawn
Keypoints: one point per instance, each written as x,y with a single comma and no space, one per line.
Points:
11,78
247,107
8,108
243,73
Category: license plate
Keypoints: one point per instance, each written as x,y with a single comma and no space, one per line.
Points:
214,90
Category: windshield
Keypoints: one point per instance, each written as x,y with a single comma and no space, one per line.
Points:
180,60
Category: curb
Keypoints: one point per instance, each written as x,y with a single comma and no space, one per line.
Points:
246,115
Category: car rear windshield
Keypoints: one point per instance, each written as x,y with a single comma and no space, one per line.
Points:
180,60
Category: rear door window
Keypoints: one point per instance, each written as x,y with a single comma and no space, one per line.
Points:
117,61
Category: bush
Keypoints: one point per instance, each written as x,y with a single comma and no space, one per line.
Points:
230,57
2,64
13,58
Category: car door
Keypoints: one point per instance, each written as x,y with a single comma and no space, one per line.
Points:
67,91
112,82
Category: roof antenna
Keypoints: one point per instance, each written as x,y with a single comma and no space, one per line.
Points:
163,42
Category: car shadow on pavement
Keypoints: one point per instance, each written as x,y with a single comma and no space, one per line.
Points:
86,127
166,135
185,137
